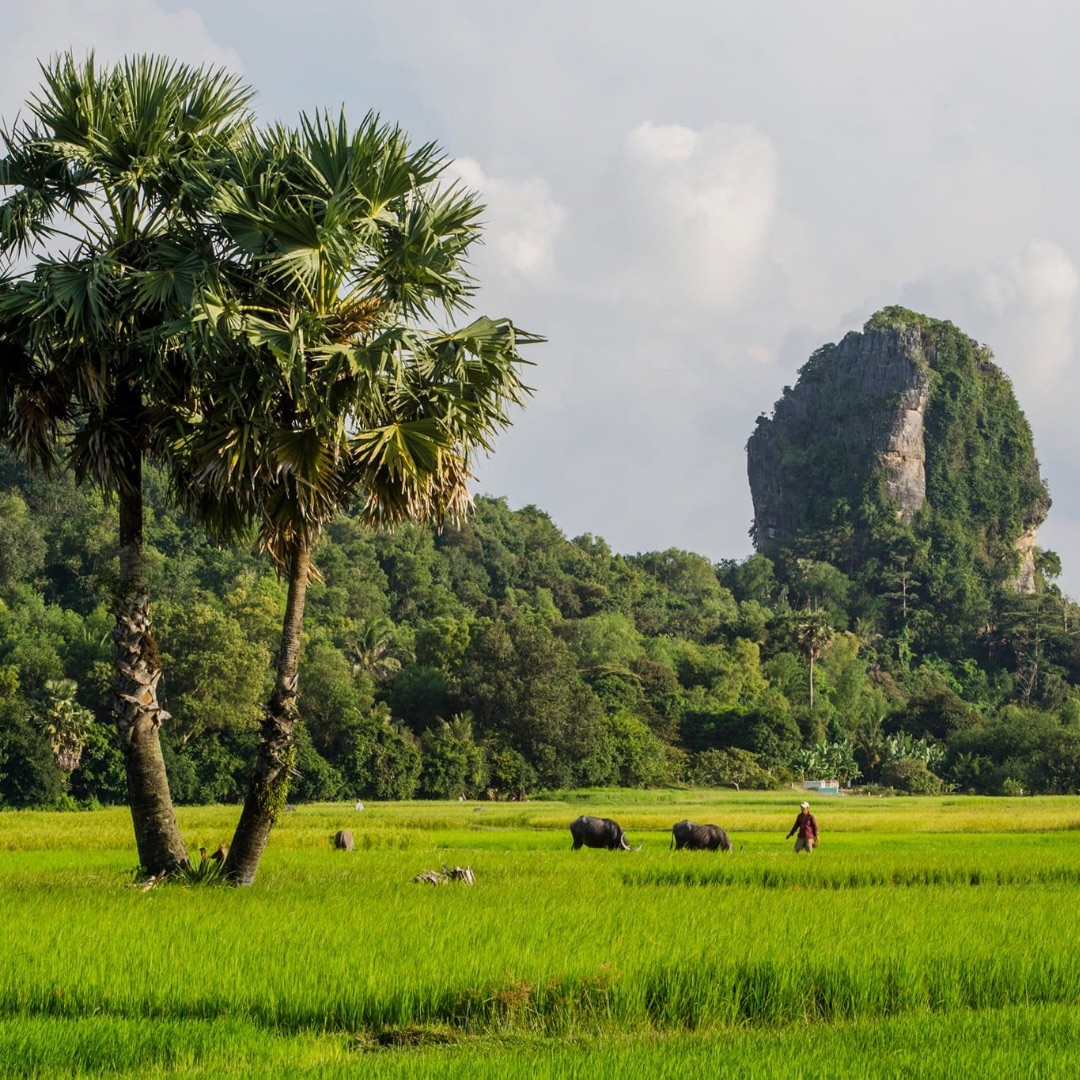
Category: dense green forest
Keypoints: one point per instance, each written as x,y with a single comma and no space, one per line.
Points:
501,657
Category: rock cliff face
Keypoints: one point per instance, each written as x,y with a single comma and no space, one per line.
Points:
909,419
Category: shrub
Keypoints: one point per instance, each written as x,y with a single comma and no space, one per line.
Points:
910,775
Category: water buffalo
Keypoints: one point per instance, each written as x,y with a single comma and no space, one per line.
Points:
685,834
343,840
599,832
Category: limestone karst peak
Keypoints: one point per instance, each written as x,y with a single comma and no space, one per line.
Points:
909,426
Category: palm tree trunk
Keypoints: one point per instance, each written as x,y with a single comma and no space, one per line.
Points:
274,761
136,671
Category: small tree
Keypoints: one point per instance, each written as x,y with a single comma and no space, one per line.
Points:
732,766
380,760
828,760
910,775
65,723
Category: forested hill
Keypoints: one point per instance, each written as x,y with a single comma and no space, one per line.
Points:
903,452
504,656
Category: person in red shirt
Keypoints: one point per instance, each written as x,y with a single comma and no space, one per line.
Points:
806,827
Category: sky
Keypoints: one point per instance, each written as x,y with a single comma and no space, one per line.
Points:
688,200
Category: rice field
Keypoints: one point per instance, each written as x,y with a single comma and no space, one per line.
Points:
925,937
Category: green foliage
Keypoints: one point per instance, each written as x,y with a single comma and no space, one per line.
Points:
453,765
1031,748
316,780
216,676
526,694
421,696
642,759
332,694
911,775
828,761
691,602
100,776
509,772
379,761
731,767
22,546
29,774
210,770
559,692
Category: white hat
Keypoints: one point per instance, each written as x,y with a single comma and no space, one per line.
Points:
805,805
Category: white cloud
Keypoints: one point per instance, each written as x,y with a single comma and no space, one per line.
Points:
1029,315
697,210
1024,306
1047,286
522,221
661,144
1047,277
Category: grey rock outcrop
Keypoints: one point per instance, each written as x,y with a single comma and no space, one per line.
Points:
854,432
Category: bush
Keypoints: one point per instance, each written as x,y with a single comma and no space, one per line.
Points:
379,761
509,772
210,769
101,774
910,775
29,775
453,764
643,759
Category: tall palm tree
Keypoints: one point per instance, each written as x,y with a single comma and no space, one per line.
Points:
813,634
103,242
345,248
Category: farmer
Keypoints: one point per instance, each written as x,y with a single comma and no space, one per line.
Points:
806,827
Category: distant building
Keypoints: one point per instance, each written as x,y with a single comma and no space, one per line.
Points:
822,787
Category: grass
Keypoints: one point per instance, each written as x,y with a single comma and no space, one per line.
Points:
568,963
1016,1042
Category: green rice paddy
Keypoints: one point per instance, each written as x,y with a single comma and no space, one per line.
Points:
925,937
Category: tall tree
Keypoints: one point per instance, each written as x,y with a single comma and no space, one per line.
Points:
345,248
102,242
813,635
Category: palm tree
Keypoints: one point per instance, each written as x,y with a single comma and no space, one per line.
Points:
65,723
813,635
343,250
368,650
102,244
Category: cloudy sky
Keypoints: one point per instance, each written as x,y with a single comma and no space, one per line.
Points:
687,200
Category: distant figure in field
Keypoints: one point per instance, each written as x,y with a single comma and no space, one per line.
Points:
806,827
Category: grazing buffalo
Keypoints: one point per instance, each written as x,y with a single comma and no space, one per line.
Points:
685,834
599,832
343,840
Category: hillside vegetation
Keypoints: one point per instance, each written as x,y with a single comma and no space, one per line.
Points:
503,657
